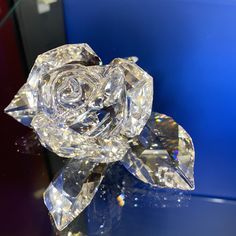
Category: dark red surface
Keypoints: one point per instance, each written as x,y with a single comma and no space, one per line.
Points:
22,177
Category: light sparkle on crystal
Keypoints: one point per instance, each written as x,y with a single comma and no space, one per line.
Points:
97,114
71,191
163,155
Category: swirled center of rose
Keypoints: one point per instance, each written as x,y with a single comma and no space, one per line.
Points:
65,93
69,92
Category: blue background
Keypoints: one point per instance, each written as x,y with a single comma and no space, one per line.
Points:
189,47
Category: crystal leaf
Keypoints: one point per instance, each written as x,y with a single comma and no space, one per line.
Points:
162,155
139,89
23,106
72,190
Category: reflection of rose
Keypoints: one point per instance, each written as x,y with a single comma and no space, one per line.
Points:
80,108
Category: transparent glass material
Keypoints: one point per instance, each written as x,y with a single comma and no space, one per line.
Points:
173,40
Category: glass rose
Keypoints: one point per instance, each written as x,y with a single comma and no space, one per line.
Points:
82,109
97,114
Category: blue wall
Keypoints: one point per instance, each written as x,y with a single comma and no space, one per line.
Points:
190,49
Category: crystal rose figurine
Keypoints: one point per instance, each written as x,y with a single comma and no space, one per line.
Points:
97,114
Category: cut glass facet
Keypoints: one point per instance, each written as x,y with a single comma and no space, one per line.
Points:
23,106
162,155
139,93
72,190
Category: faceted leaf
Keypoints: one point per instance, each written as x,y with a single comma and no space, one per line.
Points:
72,190
162,155
23,106
139,89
